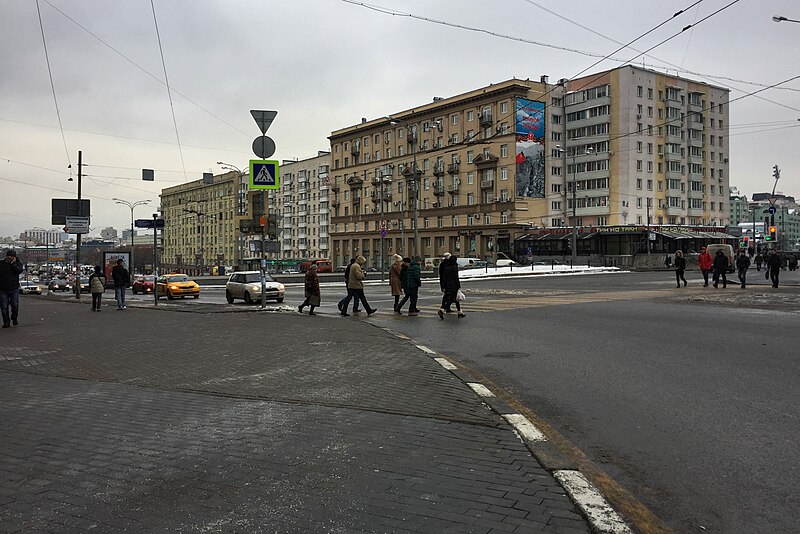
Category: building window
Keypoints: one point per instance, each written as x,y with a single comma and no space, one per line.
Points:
454,221
504,173
454,119
638,146
638,183
503,107
555,188
639,91
503,151
555,205
470,178
555,171
470,156
470,116
639,165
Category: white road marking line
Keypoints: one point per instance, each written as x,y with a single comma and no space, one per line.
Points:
446,364
480,389
588,498
401,336
425,349
525,428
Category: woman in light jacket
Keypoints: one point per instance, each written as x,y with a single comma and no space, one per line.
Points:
394,278
97,285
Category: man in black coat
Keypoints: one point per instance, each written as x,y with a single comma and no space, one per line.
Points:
449,284
10,269
349,295
720,268
774,266
122,279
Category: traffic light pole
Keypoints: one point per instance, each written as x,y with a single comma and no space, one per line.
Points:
264,250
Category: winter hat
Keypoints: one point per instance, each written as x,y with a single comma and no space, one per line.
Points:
446,255
397,258
11,252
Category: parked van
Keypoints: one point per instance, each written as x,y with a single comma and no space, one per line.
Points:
727,250
468,263
504,261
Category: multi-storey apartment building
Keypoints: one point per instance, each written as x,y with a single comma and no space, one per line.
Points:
628,146
200,224
303,209
643,144
478,159
43,236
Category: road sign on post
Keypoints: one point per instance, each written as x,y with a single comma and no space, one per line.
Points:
264,174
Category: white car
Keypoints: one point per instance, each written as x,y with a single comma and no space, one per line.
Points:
246,285
29,288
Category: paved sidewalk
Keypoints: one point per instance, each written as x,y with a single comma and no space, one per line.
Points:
154,421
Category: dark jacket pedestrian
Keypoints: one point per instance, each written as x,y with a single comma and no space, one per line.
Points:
122,279
10,269
774,266
680,268
720,268
312,293
450,284
742,264
759,260
394,278
411,281
793,262
97,285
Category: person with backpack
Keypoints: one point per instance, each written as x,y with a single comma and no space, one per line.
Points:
97,286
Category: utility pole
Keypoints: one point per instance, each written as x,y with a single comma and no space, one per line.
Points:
383,230
77,283
155,256
264,249
416,177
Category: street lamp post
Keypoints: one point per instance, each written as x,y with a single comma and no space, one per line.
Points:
574,238
131,206
241,204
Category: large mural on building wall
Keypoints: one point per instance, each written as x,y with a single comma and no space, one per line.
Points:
530,148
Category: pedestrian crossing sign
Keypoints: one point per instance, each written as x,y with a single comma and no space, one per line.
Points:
264,174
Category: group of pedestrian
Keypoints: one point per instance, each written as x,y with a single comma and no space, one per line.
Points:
718,266
404,283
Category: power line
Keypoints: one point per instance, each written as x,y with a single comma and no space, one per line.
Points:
169,92
53,86
132,62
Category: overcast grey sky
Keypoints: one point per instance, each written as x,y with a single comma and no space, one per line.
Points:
324,64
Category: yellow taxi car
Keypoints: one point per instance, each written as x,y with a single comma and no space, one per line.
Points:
176,285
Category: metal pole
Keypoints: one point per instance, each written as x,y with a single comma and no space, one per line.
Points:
647,242
755,241
383,233
264,251
574,222
133,264
155,258
416,196
78,239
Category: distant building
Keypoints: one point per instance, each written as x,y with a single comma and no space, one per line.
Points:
108,233
41,236
126,235
200,224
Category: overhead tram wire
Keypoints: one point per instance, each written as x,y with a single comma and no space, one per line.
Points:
53,89
132,62
169,92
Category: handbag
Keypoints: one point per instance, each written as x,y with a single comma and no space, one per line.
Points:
460,296
313,300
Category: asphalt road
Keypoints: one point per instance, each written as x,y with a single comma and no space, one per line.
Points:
685,397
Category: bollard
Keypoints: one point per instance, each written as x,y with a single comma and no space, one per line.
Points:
552,265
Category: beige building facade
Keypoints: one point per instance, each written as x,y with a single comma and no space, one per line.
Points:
623,147
462,153
200,228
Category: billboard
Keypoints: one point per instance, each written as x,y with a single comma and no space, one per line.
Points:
110,260
529,129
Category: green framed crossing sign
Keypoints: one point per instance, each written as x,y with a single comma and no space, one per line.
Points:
264,174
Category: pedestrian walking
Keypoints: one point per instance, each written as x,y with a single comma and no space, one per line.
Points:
349,295
792,262
720,268
450,284
773,266
97,286
704,261
122,280
10,269
411,281
312,292
759,260
742,264
680,268
394,278
356,284
668,261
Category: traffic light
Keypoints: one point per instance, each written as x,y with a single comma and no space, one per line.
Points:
776,172
773,233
